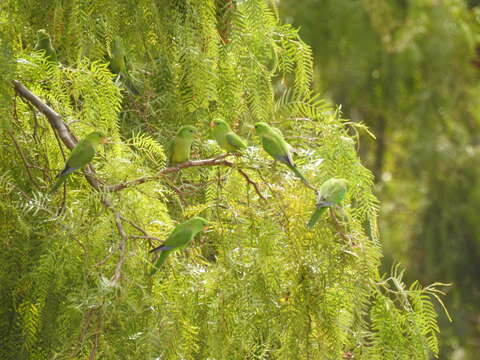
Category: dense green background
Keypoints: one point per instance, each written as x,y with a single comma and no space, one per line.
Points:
410,71
74,266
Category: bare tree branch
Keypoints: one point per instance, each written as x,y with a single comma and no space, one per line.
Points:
53,117
57,123
251,182
148,237
187,164
145,234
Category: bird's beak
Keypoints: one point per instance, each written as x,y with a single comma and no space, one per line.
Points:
205,228
212,124
104,140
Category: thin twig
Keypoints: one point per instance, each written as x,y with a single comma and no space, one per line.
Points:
60,146
144,232
51,213
218,161
134,225
24,159
253,183
85,323
308,185
148,237
102,262
93,352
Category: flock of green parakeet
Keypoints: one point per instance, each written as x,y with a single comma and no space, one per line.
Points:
330,193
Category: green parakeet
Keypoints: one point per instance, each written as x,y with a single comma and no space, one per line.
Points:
44,43
226,138
181,145
118,64
331,193
80,156
275,145
178,239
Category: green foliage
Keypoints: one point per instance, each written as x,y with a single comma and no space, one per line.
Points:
409,70
75,267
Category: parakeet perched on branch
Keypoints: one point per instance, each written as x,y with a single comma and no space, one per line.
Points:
181,145
118,64
80,156
331,193
226,138
178,239
275,145
45,43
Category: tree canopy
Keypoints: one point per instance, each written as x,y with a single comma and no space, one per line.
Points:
409,71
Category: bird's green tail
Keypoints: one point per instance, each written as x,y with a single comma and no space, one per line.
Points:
58,183
300,176
158,264
315,216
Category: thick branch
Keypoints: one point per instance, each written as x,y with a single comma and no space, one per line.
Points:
57,123
52,116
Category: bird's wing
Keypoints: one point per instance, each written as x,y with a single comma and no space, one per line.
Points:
179,237
289,153
81,155
276,147
68,170
161,248
277,131
236,141
170,148
338,194
168,244
290,147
